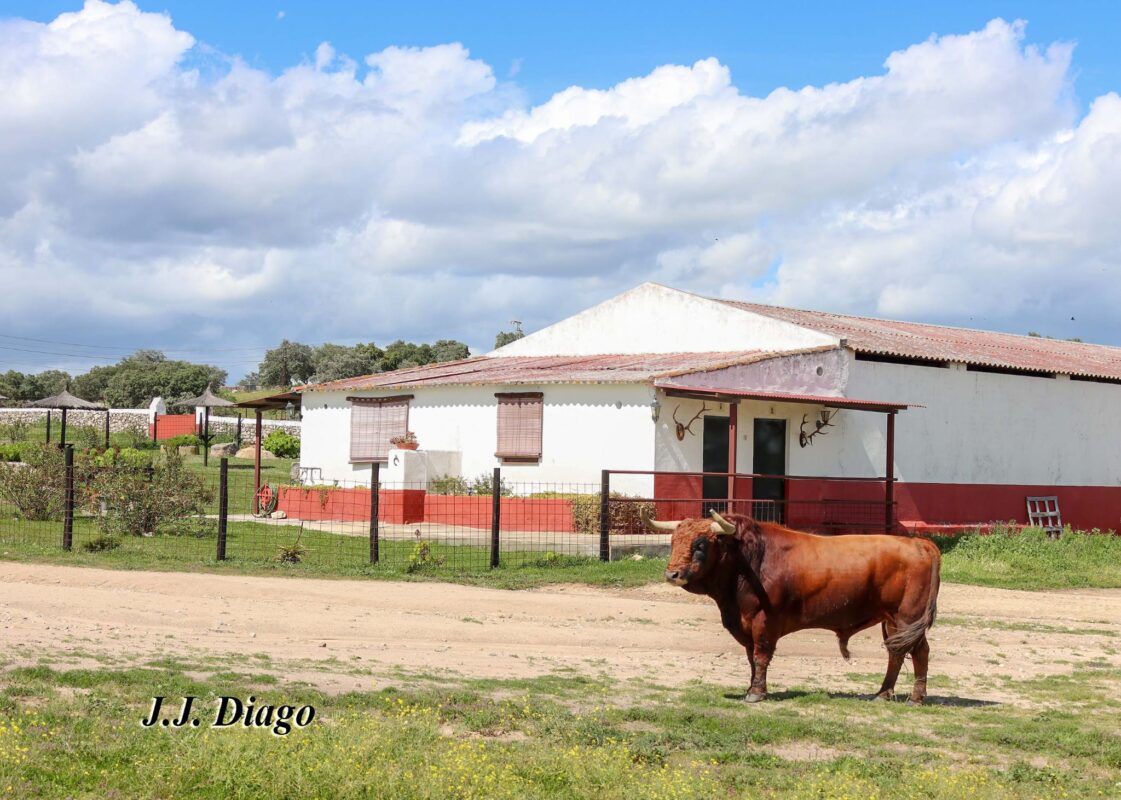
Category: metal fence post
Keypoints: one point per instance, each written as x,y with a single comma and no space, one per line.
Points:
48,426
239,430
605,516
495,517
68,502
375,488
223,506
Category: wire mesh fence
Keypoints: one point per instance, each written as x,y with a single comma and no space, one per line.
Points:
165,512
168,513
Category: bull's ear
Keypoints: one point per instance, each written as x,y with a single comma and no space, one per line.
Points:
721,526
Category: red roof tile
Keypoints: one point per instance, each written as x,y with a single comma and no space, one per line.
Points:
488,370
939,343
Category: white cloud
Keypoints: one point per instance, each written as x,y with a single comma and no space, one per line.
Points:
409,193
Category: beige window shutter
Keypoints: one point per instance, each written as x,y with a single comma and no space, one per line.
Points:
373,422
519,425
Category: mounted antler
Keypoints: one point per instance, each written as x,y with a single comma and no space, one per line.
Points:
681,429
819,426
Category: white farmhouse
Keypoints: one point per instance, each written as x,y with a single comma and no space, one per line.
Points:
952,426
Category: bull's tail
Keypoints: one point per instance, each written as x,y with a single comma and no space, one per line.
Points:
904,639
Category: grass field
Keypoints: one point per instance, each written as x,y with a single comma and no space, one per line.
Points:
1029,560
75,732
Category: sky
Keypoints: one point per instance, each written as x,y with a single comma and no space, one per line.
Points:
209,178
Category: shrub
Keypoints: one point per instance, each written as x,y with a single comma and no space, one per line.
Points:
121,457
624,517
36,487
165,498
484,484
186,439
291,553
422,557
86,436
101,543
134,439
11,452
16,430
449,484
282,445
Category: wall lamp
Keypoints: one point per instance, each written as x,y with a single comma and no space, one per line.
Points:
655,409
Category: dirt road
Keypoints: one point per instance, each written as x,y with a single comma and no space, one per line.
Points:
321,630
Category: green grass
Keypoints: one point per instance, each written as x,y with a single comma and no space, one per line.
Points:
76,733
252,548
1029,560
1005,559
274,471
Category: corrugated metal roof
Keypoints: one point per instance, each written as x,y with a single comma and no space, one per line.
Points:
484,370
939,343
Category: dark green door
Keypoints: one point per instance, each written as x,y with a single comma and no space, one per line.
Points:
769,458
714,458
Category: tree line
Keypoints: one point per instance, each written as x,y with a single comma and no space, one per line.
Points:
135,380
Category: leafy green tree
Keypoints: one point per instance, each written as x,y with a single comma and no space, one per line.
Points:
335,361
288,363
402,355
92,385
449,350
147,374
504,338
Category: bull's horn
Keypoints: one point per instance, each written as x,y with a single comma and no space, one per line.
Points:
653,524
722,526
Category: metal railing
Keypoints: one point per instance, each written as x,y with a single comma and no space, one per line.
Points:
826,505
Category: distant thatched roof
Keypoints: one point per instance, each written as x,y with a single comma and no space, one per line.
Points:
206,400
65,400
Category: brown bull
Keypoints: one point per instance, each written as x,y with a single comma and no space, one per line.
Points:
769,581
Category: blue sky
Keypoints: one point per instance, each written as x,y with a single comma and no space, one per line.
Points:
550,46
212,175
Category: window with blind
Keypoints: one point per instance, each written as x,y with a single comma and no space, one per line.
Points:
373,421
519,426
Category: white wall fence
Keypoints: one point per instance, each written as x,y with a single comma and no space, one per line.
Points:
136,420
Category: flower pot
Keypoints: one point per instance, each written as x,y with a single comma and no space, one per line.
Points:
407,445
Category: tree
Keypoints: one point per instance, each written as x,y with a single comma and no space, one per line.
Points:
335,361
142,376
449,350
92,385
290,362
504,338
249,382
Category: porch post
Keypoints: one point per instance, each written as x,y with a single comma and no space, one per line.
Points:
206,437
733,437
889,473
257,466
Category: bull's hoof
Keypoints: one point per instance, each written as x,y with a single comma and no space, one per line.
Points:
754,697
915,701
882,696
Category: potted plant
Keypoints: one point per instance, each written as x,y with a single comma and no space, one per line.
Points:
406,442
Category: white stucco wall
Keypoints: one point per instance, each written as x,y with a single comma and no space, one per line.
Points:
656,319
977,427
819,459
586,428
981,427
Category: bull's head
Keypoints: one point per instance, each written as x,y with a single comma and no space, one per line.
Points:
693,545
